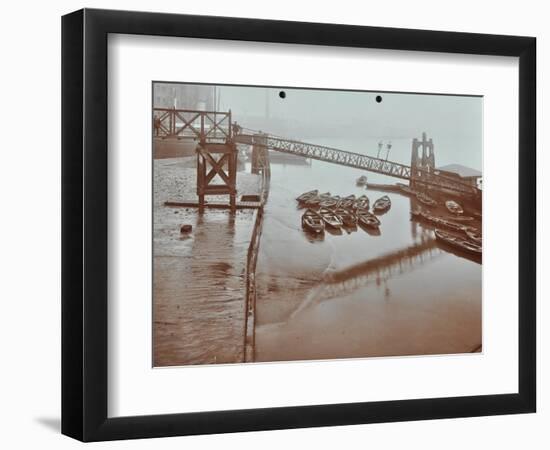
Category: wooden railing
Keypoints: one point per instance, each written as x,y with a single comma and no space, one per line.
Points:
252,259
205,126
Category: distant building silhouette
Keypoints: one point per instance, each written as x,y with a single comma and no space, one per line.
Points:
183,96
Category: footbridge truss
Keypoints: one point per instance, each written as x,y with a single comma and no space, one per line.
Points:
359,161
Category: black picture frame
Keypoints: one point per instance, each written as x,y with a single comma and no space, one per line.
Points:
84,224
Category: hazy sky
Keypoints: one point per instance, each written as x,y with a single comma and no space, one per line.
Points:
454,122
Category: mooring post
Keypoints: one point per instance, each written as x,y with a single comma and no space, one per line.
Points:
232,173
201,170
259,152
254,160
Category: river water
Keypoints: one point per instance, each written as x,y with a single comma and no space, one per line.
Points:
358,294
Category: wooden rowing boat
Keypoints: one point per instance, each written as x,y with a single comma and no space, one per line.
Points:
311,221
329,203
306,195
330,219
462,218
361,181
458,242
348,218
473,234
453,207
337,199
312,201
427,200
347,202
437,221
362,202
382,204
367,219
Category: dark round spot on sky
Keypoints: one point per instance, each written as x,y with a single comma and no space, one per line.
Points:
282,94
378,99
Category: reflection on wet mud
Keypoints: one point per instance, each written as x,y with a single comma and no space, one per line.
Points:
399,260
337,284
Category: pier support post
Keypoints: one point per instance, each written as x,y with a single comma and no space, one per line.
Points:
425,161
259,152
217,171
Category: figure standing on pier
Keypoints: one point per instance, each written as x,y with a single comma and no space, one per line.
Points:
237,128
156,124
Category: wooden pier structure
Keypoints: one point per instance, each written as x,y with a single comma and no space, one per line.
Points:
216,151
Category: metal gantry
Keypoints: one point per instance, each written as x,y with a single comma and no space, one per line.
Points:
361,161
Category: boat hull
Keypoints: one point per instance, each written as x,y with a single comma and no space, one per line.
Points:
453,207
312,222
381,205
459,244
331,220
368,220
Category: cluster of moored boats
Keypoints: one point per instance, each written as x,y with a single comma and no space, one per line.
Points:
335,212
463,237
453,231
326,211
452,206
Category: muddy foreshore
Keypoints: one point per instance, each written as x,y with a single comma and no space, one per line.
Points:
199,288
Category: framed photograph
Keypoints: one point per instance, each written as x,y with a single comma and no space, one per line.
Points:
273,224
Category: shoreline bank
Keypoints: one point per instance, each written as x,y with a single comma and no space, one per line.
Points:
190,327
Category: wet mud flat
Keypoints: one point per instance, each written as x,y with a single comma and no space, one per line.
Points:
352,295
199,278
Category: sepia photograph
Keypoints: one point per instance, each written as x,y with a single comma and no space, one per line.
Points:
296,224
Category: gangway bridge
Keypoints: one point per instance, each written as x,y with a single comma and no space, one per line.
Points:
422,176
